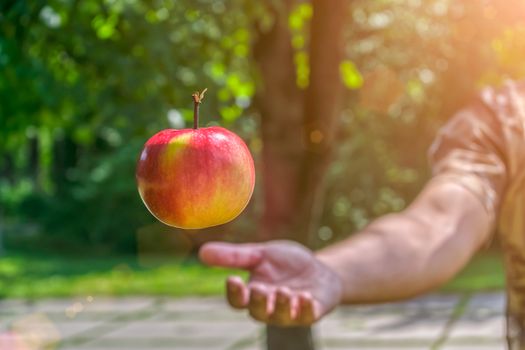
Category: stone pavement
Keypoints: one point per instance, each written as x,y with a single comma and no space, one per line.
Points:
444,322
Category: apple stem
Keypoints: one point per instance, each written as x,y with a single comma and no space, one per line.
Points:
197,99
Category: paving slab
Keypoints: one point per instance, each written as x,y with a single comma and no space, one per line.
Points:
386,325
481,322
209,324
373,347
372,343
98,346
474,347
415,324
491,327
91,303
13,305
205,304
494,301
105,304
224,314
166,342
12,309
66,330
182,329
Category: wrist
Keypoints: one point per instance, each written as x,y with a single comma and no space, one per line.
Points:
336,280
327,259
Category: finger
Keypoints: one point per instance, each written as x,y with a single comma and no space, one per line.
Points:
237,292
306,313
242,256
284,305
258,304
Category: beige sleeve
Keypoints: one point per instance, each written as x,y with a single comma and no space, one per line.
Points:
469,150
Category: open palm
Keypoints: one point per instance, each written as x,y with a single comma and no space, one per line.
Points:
288,286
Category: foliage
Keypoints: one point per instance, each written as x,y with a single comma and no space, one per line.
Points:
420,62
99,207
84,83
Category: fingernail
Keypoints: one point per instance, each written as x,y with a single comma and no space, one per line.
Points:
281,299
257,296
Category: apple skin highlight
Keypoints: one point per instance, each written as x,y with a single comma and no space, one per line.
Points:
195,178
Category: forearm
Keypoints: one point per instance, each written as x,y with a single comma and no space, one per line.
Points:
402,255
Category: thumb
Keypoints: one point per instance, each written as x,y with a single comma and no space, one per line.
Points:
241,256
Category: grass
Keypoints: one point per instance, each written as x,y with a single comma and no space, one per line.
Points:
485,272
33,277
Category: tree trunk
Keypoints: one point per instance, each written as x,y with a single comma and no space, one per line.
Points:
280,104
298,128
298,133
322,108
289,338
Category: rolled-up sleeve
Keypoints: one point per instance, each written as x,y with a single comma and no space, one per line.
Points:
470,150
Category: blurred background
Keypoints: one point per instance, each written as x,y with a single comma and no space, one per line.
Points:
338,102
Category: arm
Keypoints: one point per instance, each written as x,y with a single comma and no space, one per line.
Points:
396,256
405,254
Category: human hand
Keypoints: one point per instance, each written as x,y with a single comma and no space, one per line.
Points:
288,286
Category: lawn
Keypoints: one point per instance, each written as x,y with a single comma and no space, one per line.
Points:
47,276
485,272
30,276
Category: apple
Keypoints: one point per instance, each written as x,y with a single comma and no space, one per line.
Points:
195,178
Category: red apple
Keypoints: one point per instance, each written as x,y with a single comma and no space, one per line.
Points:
195,178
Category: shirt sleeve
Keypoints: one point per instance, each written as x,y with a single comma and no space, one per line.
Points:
469,150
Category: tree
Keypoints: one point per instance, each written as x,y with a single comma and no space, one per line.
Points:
298,125
84,83
298,130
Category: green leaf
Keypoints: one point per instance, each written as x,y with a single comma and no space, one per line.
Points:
352,78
